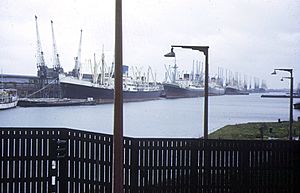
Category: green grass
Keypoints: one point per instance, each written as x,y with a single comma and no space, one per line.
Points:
252,130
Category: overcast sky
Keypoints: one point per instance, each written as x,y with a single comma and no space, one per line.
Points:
251,37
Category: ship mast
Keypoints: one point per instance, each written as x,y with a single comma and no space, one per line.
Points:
95,70
77,68
175,71
102,67
56,62
153,77
167,74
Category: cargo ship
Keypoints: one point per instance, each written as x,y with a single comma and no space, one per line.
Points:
54,102
185,89
175,90
215,86
134,88
234,86
233,90
177,86
190,85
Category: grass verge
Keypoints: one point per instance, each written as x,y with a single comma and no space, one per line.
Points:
254,130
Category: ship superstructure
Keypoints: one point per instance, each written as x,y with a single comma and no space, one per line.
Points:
235,85
183,84
100,86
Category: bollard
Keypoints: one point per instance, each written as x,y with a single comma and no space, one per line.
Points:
261,133
271,132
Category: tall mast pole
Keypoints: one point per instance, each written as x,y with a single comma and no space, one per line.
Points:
76,70
102,67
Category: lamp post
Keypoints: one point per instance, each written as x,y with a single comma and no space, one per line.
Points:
291,97
203,49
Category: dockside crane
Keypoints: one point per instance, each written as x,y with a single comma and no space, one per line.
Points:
42,69
77,69
56,62
41,66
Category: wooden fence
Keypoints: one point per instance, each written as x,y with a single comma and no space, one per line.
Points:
32,161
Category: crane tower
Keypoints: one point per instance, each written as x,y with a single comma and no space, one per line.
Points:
56,62
42,68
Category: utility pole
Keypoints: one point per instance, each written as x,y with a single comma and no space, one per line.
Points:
117,176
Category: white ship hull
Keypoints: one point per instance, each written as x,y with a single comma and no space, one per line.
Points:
8,98
8,105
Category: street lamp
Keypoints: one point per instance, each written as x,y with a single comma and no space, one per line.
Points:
291,97
203,49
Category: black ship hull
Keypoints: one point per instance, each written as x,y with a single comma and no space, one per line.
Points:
53,102
77,91
235,91
297,106
175,91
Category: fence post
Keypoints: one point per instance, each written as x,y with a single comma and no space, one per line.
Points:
62,154
134,165
207,165
194,166
53,166
244,167
58,163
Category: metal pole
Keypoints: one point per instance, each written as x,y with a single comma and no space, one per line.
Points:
291,108
206,96
117,176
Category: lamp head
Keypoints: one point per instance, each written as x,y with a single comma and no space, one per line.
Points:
274,72
170,54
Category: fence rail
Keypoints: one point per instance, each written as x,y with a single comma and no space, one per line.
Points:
30,163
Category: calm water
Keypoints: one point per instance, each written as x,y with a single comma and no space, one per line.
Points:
160,118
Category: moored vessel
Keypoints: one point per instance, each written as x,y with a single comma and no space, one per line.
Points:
215,86
82,89
175,90
54,102
134,88
8,98
186,85
297,106
216,91
232,90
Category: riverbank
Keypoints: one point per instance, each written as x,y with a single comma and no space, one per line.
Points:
254,130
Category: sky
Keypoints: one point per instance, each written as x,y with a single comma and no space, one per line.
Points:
251,37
